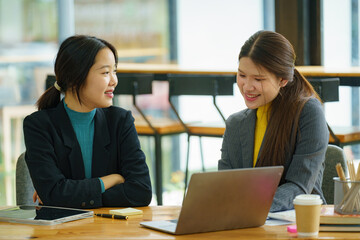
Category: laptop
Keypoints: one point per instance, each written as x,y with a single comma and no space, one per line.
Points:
224,200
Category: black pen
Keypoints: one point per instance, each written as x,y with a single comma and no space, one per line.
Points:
113,216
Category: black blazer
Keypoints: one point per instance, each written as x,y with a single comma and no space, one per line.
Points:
56,166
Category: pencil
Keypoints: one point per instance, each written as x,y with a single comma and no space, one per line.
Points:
340,172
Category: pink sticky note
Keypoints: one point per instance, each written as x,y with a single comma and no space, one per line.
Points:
292,229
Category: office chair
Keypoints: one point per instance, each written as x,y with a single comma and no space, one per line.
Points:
24,185
333,155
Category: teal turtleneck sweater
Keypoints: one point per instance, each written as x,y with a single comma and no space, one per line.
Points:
83,125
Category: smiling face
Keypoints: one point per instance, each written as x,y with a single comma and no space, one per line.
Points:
100,83
257,85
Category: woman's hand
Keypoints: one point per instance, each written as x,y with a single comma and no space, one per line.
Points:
36,197
112,180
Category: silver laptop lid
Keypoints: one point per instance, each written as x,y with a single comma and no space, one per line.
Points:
228,199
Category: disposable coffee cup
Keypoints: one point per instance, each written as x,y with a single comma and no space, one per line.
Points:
307,210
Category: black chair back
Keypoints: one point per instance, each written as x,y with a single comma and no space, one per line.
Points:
190,84
200,85
326,88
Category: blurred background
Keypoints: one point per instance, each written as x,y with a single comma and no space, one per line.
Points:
191,33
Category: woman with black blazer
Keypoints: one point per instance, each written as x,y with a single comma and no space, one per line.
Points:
81,151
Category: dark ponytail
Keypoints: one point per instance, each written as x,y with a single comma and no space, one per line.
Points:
74,59
49,99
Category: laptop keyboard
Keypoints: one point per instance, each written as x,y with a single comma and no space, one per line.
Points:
173,220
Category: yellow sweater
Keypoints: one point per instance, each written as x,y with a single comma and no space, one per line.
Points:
260,128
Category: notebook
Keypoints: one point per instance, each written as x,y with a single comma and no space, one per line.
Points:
224,200
42,215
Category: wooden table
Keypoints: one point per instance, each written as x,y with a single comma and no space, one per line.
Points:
346,135
163,126
348,76
104,228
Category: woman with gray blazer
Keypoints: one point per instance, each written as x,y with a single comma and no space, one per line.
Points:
284,123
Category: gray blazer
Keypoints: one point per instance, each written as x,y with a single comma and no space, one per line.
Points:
304,165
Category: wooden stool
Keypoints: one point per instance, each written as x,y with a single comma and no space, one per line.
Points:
342,136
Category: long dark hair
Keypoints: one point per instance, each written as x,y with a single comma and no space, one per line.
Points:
74,59
275,53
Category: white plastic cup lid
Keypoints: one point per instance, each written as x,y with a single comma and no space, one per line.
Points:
307,199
